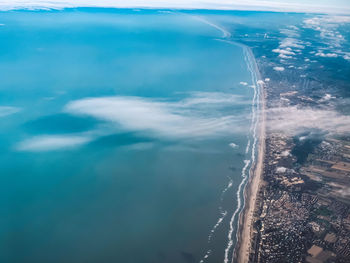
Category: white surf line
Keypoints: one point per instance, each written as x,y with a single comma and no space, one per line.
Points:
248,147
256,101
222,212
254,123
253,68
254,72
219,221
238,194
225,33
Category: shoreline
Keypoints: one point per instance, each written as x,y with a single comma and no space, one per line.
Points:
245,229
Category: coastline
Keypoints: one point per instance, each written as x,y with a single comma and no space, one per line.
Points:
244,232
250,189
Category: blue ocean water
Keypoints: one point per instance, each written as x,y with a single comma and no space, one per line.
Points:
123,136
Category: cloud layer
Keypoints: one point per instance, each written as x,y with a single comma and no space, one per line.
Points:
328,32
8,110
202,115
198,116
336,6
294,120
50,143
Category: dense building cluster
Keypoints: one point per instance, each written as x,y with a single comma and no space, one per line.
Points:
303,211
303,204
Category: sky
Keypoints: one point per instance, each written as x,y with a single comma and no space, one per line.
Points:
319,6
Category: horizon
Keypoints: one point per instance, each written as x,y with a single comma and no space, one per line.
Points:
293,6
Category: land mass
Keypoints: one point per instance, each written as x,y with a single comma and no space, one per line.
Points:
297,200
241,253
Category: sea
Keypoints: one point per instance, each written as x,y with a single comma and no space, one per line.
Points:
126,136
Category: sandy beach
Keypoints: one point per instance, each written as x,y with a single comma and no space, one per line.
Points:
241,254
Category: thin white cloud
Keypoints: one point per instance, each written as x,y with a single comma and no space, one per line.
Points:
291,42
293,120
291,32
332,40
272,5
208,99
202,115
233,145
51,142
283,52
327,97
278,68
8,110
326,55
289,46
327,21
284,56
195,117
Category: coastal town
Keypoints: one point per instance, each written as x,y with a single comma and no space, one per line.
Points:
303,211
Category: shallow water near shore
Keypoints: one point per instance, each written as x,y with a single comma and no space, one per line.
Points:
123,133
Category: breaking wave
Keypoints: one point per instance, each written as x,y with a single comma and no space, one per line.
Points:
251,148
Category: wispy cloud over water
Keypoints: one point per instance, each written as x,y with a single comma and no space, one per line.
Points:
201,115
50,143
8,110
